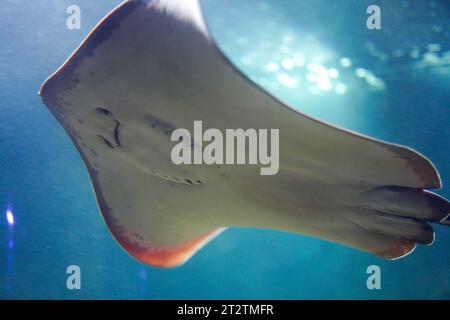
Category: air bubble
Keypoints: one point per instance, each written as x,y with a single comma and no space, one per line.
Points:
333,73
341,89
345,62
361,72
288,64
287,81
272,67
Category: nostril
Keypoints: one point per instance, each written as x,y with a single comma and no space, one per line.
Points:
104,111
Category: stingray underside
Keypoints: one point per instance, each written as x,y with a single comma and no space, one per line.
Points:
150,67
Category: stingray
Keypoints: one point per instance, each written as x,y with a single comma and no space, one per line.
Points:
150,67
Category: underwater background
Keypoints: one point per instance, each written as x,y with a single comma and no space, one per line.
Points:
316,55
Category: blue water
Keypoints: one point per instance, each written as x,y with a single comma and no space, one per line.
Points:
404,97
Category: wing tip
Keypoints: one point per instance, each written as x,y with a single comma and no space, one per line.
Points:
95,38
172,257
164,257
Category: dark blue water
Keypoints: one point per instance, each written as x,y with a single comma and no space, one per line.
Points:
402,94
